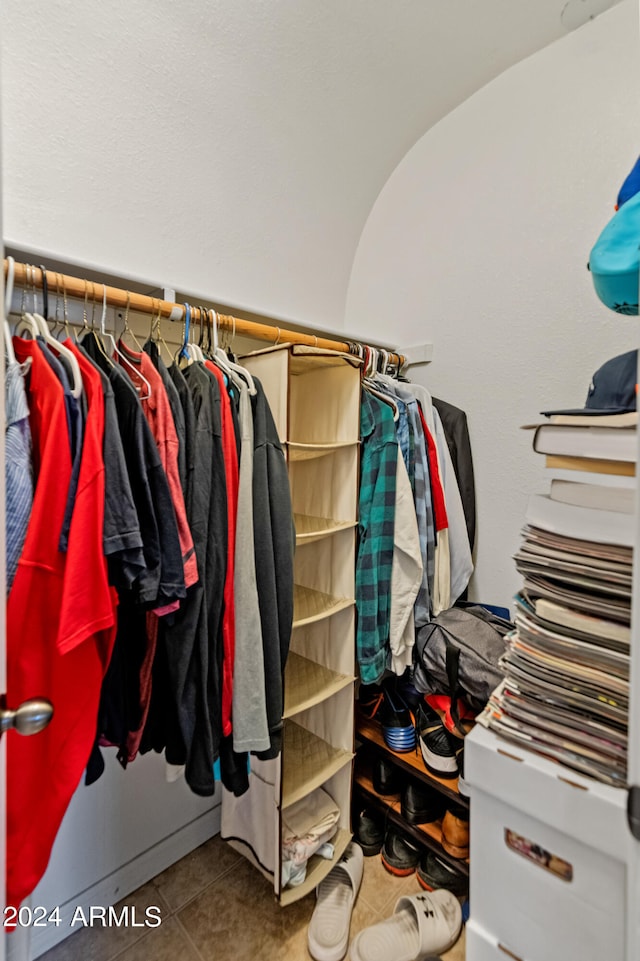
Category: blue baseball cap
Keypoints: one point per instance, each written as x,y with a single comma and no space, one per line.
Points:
615,258
612,389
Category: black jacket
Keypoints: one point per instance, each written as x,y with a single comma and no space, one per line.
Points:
275,538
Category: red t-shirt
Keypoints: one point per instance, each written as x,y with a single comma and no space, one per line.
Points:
230,452
55,648
440,519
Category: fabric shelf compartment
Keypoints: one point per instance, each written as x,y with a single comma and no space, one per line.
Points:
328,641
299,452
327,565
308,761
310,529
310,605
317,869
308,683
323,488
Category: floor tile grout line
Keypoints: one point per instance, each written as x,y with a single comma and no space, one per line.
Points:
189,939
194,897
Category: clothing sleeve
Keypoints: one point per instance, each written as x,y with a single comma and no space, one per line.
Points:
406,574
461,564
375,552
122,538
456,430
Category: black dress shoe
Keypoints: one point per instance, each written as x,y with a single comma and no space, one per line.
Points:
369,831
399,856
434,873
387,778
421,804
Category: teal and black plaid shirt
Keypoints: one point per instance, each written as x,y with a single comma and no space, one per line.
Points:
377,507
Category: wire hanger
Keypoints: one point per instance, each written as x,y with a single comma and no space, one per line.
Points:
127,329
155,333
8,294
182,352
124,360
27,323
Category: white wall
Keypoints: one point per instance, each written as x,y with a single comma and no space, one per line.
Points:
232,148
479,242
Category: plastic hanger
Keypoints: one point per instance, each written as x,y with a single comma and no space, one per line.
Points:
77,386
194,349
8,294
228,366
98,340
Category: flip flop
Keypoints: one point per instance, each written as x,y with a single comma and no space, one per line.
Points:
421,925
328,934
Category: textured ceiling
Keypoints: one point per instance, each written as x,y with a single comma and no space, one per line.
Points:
236,148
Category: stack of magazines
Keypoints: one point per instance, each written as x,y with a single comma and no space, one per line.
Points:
566,690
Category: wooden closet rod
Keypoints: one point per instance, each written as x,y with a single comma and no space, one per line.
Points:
78,288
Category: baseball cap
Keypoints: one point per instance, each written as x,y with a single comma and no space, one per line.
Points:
615,258
612,389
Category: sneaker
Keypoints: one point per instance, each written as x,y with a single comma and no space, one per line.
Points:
439,750
398,726
399,856
433,873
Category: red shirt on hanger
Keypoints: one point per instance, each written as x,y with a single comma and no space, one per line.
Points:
58,644
230,452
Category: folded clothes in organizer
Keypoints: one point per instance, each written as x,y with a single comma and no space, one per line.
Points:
307,827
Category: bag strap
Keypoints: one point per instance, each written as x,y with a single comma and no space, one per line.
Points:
452,663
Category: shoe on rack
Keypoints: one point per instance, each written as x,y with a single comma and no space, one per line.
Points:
369,699
397,722
421,804
387,778
456,715
438,747
455,832
369,831
434,873
399,855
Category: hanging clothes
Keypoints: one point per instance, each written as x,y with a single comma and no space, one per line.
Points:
18,466
60,646
374,561
274,543
250,722
456,430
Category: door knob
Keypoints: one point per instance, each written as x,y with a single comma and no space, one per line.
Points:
30,718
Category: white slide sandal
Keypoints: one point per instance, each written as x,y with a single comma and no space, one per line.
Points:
421,924
328,934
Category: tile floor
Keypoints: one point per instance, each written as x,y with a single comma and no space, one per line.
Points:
216,907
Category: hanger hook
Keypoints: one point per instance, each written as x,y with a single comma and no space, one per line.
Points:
8,291
186,329
103,317
45,292
215,329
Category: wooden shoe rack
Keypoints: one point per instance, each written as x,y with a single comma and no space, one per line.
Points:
369,746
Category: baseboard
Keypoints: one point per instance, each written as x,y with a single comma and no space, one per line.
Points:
128,878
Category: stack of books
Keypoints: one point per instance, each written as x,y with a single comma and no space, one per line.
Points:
566,689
